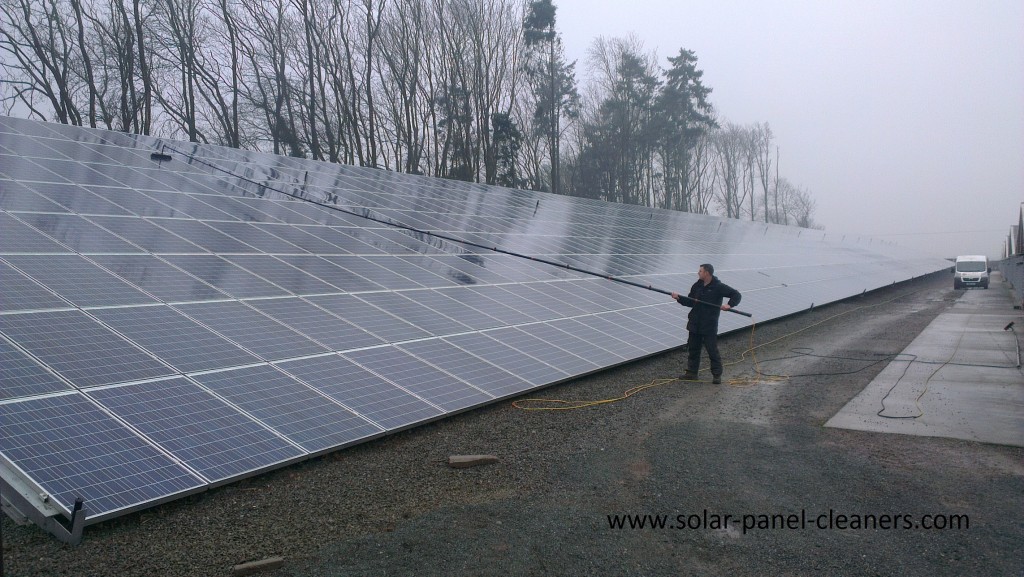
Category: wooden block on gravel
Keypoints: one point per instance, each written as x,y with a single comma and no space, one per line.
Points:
256,566
463,461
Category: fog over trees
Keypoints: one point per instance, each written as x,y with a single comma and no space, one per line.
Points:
476,90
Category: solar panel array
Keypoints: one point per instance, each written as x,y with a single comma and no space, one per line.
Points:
170,325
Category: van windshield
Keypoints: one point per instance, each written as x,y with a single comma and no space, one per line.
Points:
970,266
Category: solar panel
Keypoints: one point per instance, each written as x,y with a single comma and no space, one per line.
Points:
167,326
78,280
282,274
405,306
73,449
19,237
316,323
258,333
77,199
22,294
78,233
465,366
158,278
519,363
369,318
18,197
426,382
79,348
22,376
175,339
365,393
303,415
207,434
224,276
147,234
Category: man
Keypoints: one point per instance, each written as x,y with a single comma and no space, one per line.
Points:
706,296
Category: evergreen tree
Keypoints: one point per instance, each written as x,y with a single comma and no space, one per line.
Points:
552,80
684,116
507,141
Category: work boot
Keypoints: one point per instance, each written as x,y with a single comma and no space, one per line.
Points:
717,380
689,376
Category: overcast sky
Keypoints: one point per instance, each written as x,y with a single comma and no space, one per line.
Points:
904,119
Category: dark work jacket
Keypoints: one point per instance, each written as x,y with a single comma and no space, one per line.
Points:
704,318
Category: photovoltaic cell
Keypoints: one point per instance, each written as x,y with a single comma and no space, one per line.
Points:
236,209
207,434
78,172
339,278
597,338
480,299
407,268
296,411
132,201
381,243
298,237
628,327
574,292
335,241
73,449
576,345
187,205
525,300
258,238
548,296
472,273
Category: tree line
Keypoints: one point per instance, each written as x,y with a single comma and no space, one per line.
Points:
475,90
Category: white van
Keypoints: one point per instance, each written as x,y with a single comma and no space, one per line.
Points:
971,270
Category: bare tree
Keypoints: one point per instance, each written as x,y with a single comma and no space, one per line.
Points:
86,60
730,149
177,31
702,177
269,41
39,40
405,38
763,151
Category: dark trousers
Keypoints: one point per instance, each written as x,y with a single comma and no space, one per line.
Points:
693,346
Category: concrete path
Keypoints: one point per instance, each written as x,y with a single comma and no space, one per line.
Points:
960,377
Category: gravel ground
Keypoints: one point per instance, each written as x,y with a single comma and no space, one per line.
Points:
758,447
